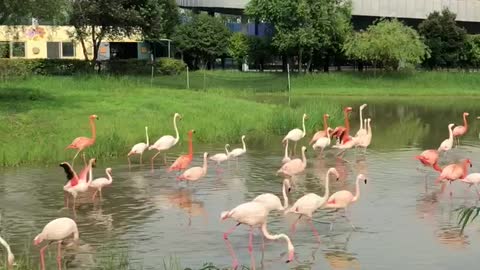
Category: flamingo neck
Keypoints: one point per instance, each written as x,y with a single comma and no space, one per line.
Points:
465,169
279,236
75,234
325,123
361,118
304,158
109,176
90,169
94,131
244,146
327,182
357,190
5,244
286,149
226,149
436,167
190,145
465,123
177,136
284,193
205,162
303,127
369,127
450,133
146,134
347,124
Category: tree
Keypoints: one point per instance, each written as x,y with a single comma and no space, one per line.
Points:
444,38
20,11
203,37
159,18
388,43
471,52
302,25
238,47
260,50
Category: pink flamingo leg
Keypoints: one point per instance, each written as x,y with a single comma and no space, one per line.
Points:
227,233
153,158
293,229
94,195
232,253
250,248
74,157
315,232
42,256
59,255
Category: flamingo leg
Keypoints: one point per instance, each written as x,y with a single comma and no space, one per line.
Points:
295,148
349,221
101,195
293,229
94,194
158,153
59,255
74,157
333,221
129,162
42,256
164,158
315,232
84,159
250,248
141,158
227,233
232,253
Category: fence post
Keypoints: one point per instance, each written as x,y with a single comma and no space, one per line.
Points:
188,79
153,64
289,85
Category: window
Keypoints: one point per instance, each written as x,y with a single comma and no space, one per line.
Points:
4,49
18,49
53,50
68,50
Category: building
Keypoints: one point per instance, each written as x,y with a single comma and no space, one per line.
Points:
56,42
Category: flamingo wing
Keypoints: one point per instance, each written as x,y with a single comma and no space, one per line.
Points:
71,174
318,135
180,163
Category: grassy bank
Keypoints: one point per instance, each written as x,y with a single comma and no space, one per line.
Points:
42,115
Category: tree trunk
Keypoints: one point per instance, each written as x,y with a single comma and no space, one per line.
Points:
300,55
284,63
326,64
310,59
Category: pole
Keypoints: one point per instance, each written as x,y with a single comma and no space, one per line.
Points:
188,79
169,49
289,85
153,64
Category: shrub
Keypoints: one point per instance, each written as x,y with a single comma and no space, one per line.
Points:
170,66
126,66
14,68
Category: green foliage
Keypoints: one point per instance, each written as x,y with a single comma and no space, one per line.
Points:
170,66
159,18
20,11
260,50
204,37
14,68
444,38
238,47
466,215
471,57
388,43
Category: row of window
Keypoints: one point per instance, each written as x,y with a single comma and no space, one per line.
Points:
55,50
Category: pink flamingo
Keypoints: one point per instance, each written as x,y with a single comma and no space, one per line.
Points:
253,214
459,131
323,142
220,157
343,133
321,133
296,134
81,143
343,198
56,230
309,203
453,172
76,184
195,173
102,182
10,257
182,162
429,158
166,142
286,158
472,179
139,148
294,166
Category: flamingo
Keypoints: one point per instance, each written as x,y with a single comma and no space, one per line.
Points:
321,133
296,134
102,182
361,131
365,140
10,257
294,166
343,198
76,184
272,202
323,142
195,173
238,151
139,148
221,157
342,133
166,142
286,158
56,230
453,172
459,131
353,142
80,143
448,143
472,179
309,203
182,162
429,158
253,214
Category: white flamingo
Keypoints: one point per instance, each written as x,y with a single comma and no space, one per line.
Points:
323,142
309,203
238,151
362,131
294,166
195,173
139,148
365,140
447,144
10,257
472,179
166,142
56,230
221,157
271,201
102,182
296,134
286,158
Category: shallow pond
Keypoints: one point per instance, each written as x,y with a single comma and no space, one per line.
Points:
403,222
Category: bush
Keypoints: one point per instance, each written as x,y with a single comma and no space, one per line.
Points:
127,66
14,68
170,66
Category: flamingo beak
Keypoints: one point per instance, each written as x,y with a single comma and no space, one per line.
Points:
365,180
290,256
471,165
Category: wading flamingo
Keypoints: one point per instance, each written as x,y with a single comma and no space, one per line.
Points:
309,203
102,182
253,214
429,158
321,133
220,157
272,202
76,184
364,141
343,133
166,142
139,148
472,179
453,172
183,161
286,158
343,198
447,144
296,134
459,131
195,173
56,230
238,151
10,257
323,142
362,131
80,143
294,166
